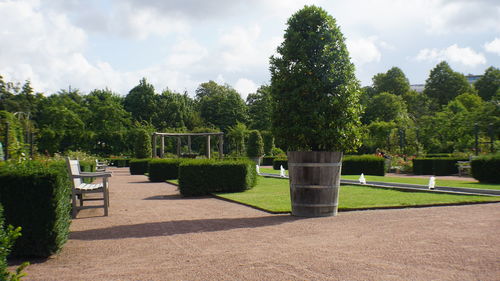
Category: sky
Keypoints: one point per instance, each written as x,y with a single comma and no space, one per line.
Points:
179,44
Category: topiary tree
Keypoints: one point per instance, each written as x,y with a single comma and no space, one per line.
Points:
315,107
313,86
255,146
268,139
142,147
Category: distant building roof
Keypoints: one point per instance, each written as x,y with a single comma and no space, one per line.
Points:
471,78
418,87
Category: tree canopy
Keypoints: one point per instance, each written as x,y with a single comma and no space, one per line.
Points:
393,81
489,84
313,86
444,84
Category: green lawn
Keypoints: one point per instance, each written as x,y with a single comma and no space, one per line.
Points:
273,195
423,181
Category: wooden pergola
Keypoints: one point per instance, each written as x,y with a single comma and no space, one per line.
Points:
188,135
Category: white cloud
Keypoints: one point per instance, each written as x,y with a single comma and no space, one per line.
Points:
363,50
245,86
464,16
453,53
493,46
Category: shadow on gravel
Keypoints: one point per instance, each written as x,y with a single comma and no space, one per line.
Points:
168,228
175,197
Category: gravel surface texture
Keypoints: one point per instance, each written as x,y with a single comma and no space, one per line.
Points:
152,233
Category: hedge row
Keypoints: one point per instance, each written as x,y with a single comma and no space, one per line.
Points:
278,162
118,162
268,160
351,165
486,168
139,166
36,197
366,164
436,166
204,176
164,169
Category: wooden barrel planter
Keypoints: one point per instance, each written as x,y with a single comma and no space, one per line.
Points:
314,182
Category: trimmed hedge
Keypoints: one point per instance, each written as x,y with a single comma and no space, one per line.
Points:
35,197
438,155
486,168
366,164
268,160
204,176
119,162
164,169
139,166
436,166
277,162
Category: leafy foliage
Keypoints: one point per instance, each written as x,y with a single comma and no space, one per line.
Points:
35,196
485,168
143,144
161,170
255,147
220,106
202,177
489,84
313,65
260,108
367,164
444,84
393,81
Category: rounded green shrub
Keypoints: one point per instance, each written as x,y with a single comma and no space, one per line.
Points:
139,166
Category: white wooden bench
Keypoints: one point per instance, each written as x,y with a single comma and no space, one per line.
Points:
80,189
463,168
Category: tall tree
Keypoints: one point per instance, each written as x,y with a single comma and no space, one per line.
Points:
444,84
221,106
108,121
260,108
393,81
385,107
488,85
141,102
175,111
313,86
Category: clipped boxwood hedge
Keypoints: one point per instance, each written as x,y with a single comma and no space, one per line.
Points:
139,166
36,197
119,162
486,168
204,176
366,164
280,162
164,169
268,160
436,166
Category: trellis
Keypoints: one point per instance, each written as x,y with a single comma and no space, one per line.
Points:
179,136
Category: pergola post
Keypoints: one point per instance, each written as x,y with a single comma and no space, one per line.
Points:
153,153
221,146
189,144
178,146
162,150
208,146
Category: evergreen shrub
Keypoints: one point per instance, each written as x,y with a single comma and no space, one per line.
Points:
164,169
268,160
436,166
139,166
204,176
268,139
486,168
277,162
36,197
366,164
119,162
142,145
255,145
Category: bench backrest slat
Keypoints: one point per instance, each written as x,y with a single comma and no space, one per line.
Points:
74,170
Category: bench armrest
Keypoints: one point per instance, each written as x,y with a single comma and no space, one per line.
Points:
92,175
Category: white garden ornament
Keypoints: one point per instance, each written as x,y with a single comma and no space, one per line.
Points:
432,182
282,171
257,168
362,179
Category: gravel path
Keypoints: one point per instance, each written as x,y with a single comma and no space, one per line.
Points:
154,234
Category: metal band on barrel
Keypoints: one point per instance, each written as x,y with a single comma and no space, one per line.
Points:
337,164
313,186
